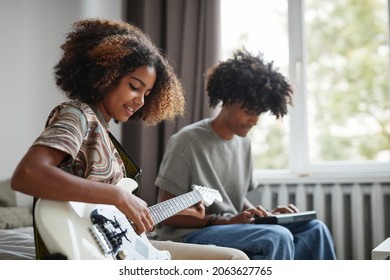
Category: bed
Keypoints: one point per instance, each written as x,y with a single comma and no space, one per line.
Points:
16,231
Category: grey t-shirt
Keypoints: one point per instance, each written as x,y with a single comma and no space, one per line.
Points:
197,155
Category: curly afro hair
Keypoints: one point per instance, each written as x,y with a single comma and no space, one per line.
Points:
247,80
98,53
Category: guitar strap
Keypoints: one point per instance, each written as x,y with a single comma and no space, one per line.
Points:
41,251
132,168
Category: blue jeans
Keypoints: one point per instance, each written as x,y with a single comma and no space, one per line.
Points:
310,240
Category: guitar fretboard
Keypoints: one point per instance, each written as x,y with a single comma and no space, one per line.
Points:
170,207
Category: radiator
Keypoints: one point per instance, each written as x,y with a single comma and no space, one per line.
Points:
357,210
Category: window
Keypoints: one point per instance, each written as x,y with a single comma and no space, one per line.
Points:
336,55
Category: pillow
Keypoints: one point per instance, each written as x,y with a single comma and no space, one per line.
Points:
7,194
15,217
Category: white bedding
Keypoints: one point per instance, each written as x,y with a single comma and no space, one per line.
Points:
16,231
17,244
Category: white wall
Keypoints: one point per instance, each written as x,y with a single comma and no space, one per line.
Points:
31,32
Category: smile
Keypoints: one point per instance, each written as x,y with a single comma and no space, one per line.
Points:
130,109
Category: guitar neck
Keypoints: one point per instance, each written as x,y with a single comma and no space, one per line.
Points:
170,207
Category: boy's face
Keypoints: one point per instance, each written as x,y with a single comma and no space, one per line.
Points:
239,120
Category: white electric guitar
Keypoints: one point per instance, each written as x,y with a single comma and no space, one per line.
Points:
83,231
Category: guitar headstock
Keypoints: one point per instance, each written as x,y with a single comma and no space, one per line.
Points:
208,194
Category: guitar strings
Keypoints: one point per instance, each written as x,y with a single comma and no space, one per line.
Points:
167,205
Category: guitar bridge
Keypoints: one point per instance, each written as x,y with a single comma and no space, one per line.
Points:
107,231
102,240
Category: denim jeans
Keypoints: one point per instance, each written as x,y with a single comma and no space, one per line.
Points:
310,240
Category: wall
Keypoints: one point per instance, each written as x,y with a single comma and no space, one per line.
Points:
31,33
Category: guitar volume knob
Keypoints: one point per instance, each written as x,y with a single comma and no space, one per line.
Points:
122,254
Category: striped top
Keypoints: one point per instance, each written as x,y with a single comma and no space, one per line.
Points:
75,129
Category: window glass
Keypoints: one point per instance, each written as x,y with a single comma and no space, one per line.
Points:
347,80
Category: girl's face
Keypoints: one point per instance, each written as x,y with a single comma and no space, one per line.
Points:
122,102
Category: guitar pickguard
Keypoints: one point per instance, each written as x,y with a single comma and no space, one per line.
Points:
117,238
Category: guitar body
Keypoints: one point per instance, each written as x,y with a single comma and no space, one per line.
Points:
83,231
